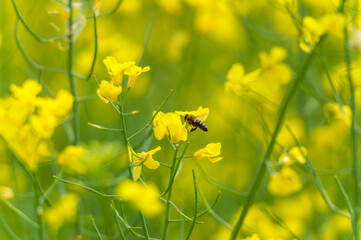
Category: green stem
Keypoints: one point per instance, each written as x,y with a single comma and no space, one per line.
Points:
96,229
21,214
252,190
167,207
39,212
36,36
195,206
95,48
122,236
354,136
71,76
7,229
130,162
174,170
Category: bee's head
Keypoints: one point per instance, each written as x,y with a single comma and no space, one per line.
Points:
186,116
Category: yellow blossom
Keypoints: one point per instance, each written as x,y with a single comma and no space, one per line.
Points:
65,210
6,193
107,91
333,111
87,158
145,158
284,183
72,157
238,82
115,69
274,72
142,198
253,237
293,155
133,72
169,123
26,94
211,151
311,33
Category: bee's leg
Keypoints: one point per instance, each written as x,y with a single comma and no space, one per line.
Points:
193,129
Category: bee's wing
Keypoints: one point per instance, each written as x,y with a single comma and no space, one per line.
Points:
202,117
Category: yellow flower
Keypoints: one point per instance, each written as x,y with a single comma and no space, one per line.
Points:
26,94
65,210
142,198
115,69
169,123
293,155
253,237
333,111
108,91
274,72
238,82
311,32
334,24
72,157
145,158
284,183
133,72
6,193
211,151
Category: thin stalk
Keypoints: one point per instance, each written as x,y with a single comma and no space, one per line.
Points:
319,184
122,236
71,77
7,229
36,65
96,229
39,212
20,213
195,206
36,36
95,48
154,115
130,162
167,207
174,170
87,188
354,137
219,184
252,190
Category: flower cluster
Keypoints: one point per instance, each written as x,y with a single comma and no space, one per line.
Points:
109,91
287,181
141,197
272,74
28,121
63,211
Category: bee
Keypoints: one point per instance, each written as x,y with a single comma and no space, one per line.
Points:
195,123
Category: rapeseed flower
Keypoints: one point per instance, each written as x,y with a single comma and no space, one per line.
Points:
28,121
107,91
274,72
133,72
89,158
141,197
211,151
169,124
334,111
145,158
238,82
311,32
65,210
72,157
254,236
6,193
293,155
116,69
284,183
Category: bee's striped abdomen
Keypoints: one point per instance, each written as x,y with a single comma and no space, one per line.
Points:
202,125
